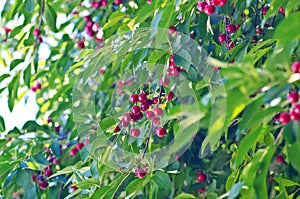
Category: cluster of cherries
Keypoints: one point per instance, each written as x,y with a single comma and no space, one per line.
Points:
78,147
209,6
37,33
201,178
293,98
36,87
223,38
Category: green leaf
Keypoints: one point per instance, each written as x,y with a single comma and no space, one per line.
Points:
88,183
114,19
293,154
16,31
55,147
100,192
185,196
162,179
2,124
27,75
3,77
144,13
13,87
168,14
15,62
29,5
107,122
50,16
286,182
134,186
235,190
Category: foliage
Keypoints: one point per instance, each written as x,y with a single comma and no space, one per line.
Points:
220,119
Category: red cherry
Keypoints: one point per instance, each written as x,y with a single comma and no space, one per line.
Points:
156,121
116,129
102,71
81,44
39,40
142,97
164,82
231,28
104,2
144,106
55,161
202,190
284,118
209,9
87,18
293,97
296,109
155,100
201,5
271,179
140,173
230,45
140,116
172,30
7,29
118,2
282,11
126,117
135,133
160,132
134,98
38,86
265,10
135,110
280,159
124,124
56,128
222,2
79,146
172,72
43,185
170,96
222,38
149,115
157,111
37,32
294,116
33,88
33,177
201,177
296,67
171,60
74,188
73,151
259,30
48,172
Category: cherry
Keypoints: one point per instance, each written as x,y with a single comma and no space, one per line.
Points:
160,132
296,109
135,132
265,10
282,11
259,30
296,67
280,159
294,116
222,38
149,1
104,2
172,30
87,18
276,117
193,35
173,66
48,172
170,96
39,40
74,188
149,114
116,129
284,118
157,111
43,185
209,9
202,190
56,128
140,173
73,151
140,116
55,161
37,32
79,146
134,98
201,5
222,2
38,86
81,44
156,121
33,88
7,29
293,97
118,2
201,177
142,97
171,60
134,118
231,28
144,106
172,72
102,71
135,110
155,100
230,45
124,124
33,177
126,117
164,82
